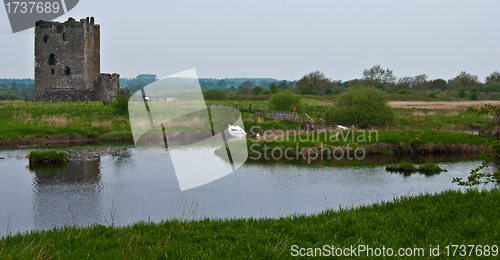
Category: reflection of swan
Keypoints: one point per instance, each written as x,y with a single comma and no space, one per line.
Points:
236,131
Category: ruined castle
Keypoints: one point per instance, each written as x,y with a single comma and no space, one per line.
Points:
67,63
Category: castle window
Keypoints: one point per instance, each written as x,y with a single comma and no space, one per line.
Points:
68,71
52,71
52,59
45,38
64,37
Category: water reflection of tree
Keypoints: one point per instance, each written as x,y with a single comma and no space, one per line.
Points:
71,172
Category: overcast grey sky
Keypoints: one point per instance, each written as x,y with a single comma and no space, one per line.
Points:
282,39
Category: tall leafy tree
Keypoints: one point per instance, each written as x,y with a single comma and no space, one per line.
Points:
315,82
435,84
464,80
273,88
493,77
222,83
377,75
243,90
247,84
257,90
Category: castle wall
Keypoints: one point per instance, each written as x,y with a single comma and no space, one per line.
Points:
105,86
92,50
62,95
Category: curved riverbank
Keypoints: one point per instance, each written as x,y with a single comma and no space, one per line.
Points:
424,221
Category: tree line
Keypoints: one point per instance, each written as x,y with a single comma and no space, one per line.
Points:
16,91
316,83
464,85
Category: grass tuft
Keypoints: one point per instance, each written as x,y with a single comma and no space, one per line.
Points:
406,167
46,157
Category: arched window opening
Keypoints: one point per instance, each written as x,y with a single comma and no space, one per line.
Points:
65,38
68,71
52,59
45,38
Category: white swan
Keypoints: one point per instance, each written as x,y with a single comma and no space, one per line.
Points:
236,131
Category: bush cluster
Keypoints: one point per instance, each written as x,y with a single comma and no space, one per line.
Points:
214,94
120,104
9,95
286,101
363,106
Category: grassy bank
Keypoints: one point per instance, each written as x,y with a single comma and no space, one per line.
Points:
32,121
373,142
449,218
29,122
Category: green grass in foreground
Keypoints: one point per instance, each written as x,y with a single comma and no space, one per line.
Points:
448,218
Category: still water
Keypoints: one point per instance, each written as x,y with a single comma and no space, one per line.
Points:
122,185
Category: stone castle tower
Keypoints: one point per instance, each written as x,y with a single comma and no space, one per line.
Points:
67,63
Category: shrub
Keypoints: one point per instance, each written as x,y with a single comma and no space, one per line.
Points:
9,95
337,91
461,92
307,90
402,91
257,90
120,104
286,101
473,93
493,87
214,94
432,94
363,106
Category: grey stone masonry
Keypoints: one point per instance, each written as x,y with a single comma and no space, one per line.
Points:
67,63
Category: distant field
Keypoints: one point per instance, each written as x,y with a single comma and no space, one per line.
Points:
451,105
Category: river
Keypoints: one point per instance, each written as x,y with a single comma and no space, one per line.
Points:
120,185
